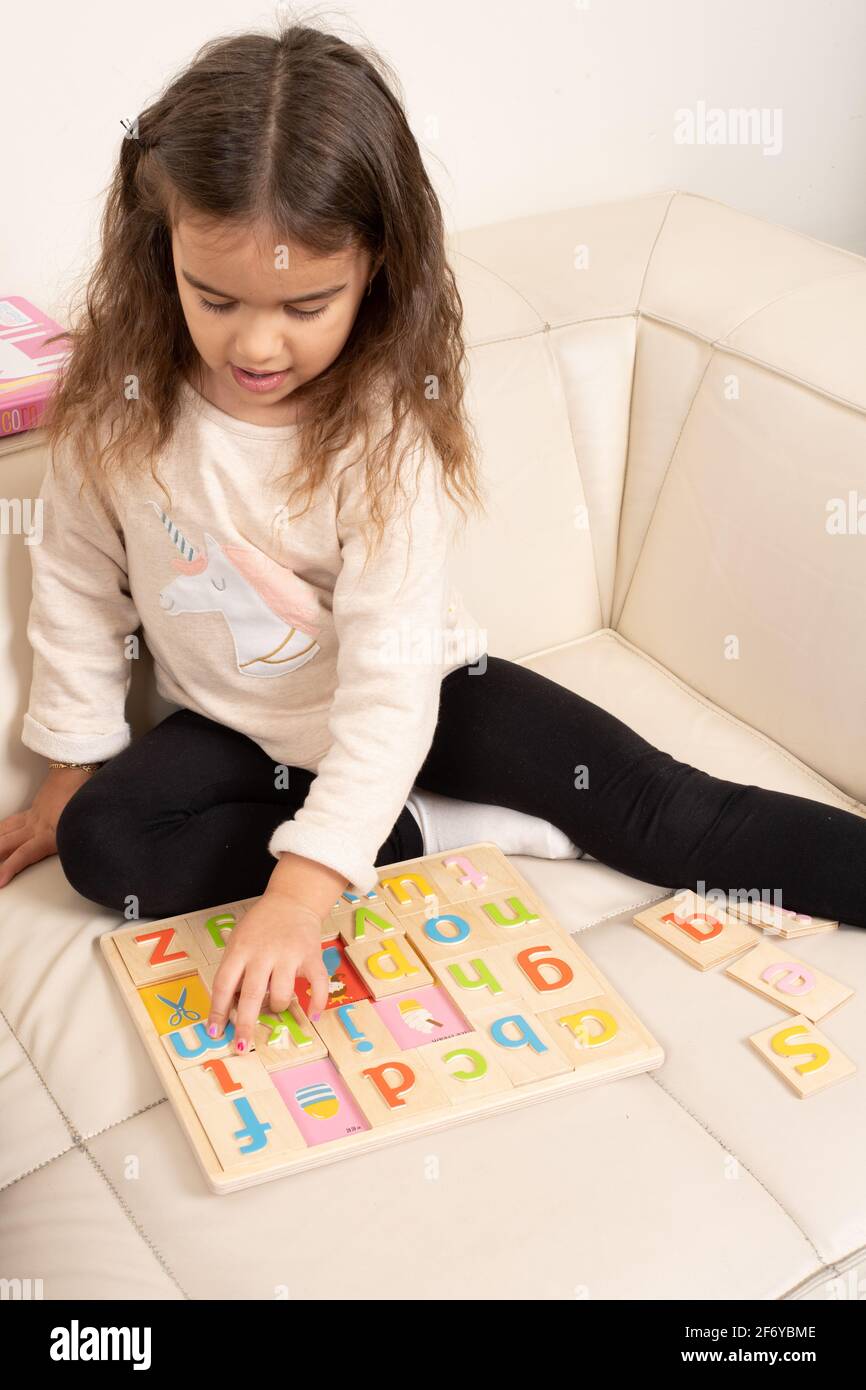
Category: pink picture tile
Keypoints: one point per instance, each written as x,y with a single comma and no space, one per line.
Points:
420,1016
319,1102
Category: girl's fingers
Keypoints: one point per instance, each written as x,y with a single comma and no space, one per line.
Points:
282,986
253,991
319,982
225,985
18,859
11,839
16,822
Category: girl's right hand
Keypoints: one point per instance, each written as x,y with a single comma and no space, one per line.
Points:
28,836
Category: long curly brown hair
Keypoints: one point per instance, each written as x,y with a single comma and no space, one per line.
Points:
300,133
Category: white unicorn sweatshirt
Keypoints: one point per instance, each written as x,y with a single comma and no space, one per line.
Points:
261,622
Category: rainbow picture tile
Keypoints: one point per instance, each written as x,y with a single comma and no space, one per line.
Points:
319,1102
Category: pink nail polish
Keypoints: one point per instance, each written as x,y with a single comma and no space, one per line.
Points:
212,1030
315,1016
241,1045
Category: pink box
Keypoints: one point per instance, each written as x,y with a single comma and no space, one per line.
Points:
28,366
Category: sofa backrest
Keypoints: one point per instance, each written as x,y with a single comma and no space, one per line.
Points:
668,394
695,378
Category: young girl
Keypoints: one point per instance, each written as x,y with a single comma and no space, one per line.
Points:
272,320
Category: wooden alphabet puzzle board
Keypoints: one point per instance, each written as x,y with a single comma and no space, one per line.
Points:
454,994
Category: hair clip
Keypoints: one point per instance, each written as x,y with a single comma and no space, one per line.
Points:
131,133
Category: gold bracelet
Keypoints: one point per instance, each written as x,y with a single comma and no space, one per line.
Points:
83,767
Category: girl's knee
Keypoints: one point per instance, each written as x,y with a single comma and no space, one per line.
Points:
89,835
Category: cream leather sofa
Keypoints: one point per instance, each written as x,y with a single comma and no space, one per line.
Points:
668,393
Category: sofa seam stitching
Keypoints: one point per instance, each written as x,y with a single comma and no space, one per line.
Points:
786,294
142,1110
733,350
652,317
79,1143
554,360
717,1138
779,226
137,1227
625,471
831,1268
856,1256
661,487
653,1076
36,1166
502,280
618,911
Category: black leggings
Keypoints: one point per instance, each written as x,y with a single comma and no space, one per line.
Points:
181,819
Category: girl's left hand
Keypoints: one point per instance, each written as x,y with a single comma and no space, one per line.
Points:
277,939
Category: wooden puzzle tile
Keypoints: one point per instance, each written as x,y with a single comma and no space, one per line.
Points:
401,1085
176,1002
513,914
287,1039
792,935
452,877
247,1128
411,888
354,1035
349,899
320,1102
469,874
366,923
443,936
466,1067
700,933
208,972
221,1079
474,982
211,928
523,1044
190,1046
586,961
159,950
346,985
773,971
784,919
421,1017
600,1036
551,972
388,966
803,1055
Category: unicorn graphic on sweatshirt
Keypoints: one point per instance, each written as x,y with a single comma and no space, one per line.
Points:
272,615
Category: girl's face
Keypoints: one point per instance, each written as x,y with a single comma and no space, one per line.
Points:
255,308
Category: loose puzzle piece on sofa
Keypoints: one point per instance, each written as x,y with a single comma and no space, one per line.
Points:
706,935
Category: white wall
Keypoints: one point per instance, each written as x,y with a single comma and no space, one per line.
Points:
519,107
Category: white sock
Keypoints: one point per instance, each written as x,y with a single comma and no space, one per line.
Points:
446,823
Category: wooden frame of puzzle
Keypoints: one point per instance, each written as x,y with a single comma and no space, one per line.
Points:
454,994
